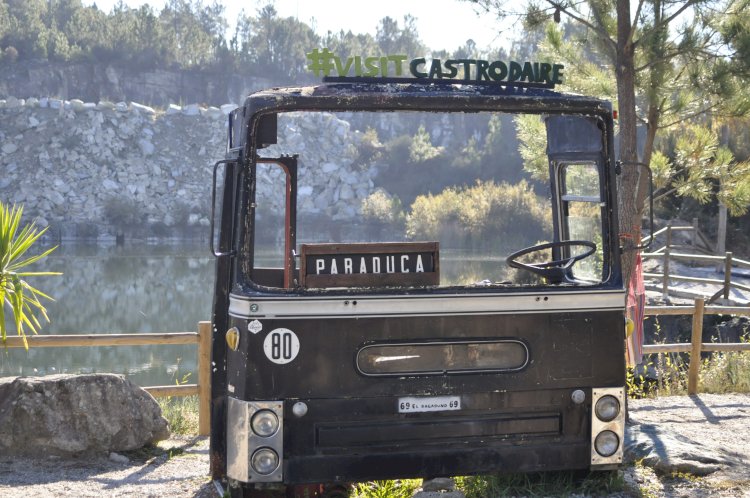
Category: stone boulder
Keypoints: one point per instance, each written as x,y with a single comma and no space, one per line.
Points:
69,415
669,453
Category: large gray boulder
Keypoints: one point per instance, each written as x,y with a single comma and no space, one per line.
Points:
69,415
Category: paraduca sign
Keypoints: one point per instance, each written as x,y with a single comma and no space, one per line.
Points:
327,63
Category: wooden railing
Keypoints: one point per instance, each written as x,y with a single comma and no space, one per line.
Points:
696,345
699,241
202,338
701,244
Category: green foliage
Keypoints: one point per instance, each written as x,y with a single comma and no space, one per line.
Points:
399,488
727,372
661,168
10,54
541,484
394,39
586,71
721,372
381,207
123,212
16,294
670,369
421,148
181,414
468,214
473,147
532,145
186,33
701,165
275,46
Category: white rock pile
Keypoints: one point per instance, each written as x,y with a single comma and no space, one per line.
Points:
330,181
72,162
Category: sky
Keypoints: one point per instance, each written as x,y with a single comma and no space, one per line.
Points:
442,24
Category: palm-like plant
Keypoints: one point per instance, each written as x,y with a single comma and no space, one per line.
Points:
16,294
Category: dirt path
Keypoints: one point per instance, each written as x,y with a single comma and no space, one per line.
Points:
709,432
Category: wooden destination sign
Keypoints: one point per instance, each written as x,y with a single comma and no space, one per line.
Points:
369,264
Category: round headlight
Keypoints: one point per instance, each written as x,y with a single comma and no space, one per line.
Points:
607,408
606,443
264,461
265,423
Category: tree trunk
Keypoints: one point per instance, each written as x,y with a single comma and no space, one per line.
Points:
630,202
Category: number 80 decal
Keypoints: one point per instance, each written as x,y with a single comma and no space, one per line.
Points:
281,346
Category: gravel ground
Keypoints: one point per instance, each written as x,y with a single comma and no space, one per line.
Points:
713,424
176,468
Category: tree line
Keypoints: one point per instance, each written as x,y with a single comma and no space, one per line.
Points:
187,34
674,68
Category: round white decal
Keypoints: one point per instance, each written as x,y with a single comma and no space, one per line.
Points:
281,346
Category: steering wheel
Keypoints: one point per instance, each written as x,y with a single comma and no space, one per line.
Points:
557,271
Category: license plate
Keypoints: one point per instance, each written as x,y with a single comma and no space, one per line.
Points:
429,404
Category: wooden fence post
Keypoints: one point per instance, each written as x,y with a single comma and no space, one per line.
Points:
204,378
727,275
696,343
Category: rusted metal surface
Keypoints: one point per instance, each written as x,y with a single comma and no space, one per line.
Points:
301,329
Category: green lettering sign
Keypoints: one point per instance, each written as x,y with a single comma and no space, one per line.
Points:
324,62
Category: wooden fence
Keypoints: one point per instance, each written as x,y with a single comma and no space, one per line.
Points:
696,345
202,338
699,243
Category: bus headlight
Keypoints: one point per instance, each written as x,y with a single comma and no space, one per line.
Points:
255,440
265,423
607,408
607,427
264,461
606,443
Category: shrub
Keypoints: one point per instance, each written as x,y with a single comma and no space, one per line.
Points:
22,300
382,207
726,372
123,212
10,54
421,148
484,215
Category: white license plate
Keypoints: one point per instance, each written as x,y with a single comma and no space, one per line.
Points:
428,404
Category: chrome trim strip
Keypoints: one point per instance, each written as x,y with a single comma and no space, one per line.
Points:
418,305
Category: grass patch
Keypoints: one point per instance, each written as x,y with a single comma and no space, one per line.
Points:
398,488
719,373
181,413
563,483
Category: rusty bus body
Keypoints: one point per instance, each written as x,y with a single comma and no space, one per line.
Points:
360,357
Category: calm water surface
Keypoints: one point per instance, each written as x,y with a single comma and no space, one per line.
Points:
122,289
147,288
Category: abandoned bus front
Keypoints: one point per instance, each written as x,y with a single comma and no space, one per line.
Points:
415,280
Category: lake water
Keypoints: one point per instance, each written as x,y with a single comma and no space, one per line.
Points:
149,288
122,289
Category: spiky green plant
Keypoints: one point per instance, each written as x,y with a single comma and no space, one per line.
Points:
16,294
